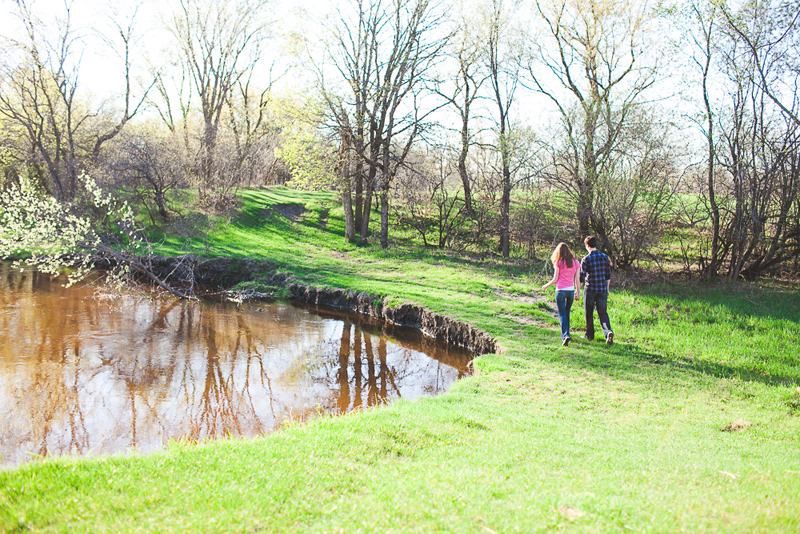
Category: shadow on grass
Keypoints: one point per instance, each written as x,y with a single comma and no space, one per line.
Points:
481,261
259,212
633,362
743,300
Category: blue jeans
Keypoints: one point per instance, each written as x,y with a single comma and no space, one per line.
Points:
564,299
592,300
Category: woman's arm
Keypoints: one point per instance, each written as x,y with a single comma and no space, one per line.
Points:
577,283
553,281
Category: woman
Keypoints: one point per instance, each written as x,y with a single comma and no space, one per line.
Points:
567,286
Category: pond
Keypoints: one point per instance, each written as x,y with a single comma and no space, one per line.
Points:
86,374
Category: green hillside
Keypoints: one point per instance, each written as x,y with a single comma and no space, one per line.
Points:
690,422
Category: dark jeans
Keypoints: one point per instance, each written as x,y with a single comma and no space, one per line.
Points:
592,299
564,299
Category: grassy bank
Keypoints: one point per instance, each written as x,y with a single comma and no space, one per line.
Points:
689,422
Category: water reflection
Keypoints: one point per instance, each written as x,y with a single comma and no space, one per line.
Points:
87,375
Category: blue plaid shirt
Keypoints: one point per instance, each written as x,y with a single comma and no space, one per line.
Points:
595,270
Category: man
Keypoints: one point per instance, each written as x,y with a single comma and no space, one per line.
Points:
596,273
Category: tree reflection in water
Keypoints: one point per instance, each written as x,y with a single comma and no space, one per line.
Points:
86,375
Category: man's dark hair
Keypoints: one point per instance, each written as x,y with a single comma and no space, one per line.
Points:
590,241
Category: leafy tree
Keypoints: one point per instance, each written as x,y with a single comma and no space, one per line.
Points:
51,235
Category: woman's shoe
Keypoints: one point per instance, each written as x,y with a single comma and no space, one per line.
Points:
566,341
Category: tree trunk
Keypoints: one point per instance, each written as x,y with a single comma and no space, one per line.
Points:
584,210
162,208
713,264
385,213
207,157
346,184
505,210
462,167
386,180
359,182
347,204
367,205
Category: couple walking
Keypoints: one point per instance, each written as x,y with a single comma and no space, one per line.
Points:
595,271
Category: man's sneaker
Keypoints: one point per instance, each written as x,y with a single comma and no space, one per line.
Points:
566,341
610,338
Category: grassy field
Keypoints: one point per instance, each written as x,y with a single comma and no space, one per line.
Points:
690,422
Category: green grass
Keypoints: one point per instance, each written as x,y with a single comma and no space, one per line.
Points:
689,422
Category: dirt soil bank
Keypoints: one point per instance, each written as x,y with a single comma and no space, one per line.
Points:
225,273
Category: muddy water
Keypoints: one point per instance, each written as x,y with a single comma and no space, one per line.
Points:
86,375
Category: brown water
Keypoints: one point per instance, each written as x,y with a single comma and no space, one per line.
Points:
86,375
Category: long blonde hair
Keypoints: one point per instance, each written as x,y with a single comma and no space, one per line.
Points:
562,252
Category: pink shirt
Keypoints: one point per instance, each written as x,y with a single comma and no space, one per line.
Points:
566,275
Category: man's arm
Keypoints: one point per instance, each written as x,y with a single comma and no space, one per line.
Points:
583,270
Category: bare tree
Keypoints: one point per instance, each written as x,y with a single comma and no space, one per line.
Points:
632,200
761,137
703,29
220,43
462,88
149,168
351,52
380,54
589,67
751,130
430,205
172,99
252,128
40,95
768,31
502,62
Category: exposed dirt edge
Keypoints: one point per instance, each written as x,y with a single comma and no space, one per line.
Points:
225,273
